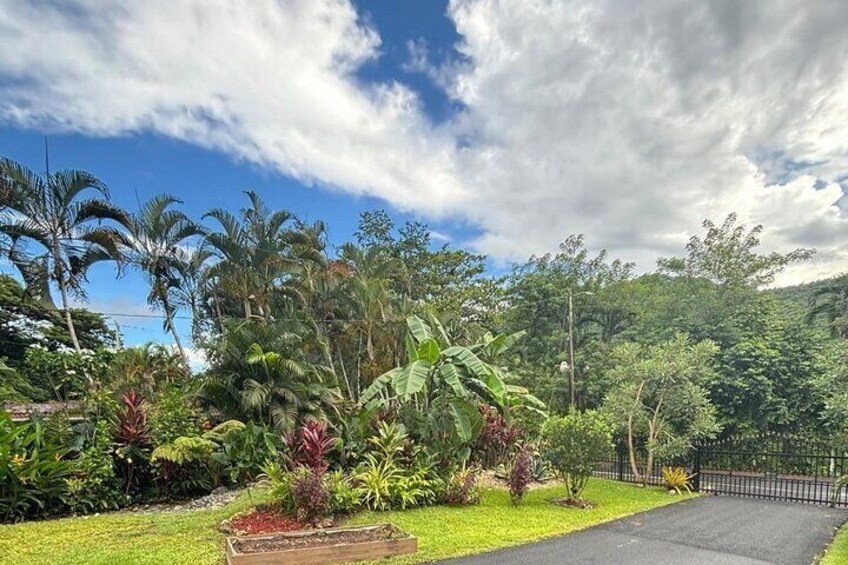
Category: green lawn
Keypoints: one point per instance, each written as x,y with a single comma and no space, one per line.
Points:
127,538
837,552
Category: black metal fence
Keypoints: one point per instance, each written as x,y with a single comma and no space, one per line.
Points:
780,467
771,466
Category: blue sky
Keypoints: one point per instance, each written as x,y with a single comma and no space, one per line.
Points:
141,165
506,126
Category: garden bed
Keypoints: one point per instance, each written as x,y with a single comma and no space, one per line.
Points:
333,545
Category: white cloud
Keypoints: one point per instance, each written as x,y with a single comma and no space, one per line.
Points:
629,122
267,81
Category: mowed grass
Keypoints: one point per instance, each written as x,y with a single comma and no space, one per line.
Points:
192,538
120,538
494,524
837,552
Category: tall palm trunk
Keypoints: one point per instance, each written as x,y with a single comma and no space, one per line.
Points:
179,344
60,279
68,319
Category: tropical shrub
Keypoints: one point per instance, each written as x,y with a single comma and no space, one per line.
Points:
33,471
309,445
94,485
385,485
173,415
676,479
444,382
309,495
520,473
183,466
279,482
496,440
63,374
261,372
132,437
343,496
462,488
244,451
572,444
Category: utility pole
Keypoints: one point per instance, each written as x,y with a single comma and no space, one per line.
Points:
571,347
571,344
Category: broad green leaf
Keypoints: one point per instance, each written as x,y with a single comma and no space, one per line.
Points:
462,418
467,359
450,375
495,384
419,330
379,385
516,390
440,329
504,342
411,379
429,350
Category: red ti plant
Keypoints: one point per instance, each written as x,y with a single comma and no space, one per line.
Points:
309,446
132,435
496,441
519,474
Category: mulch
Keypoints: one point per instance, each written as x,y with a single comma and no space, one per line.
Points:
264,522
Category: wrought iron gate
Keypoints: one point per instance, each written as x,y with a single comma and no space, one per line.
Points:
780,467
773,466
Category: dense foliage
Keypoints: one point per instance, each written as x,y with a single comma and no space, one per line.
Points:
383,372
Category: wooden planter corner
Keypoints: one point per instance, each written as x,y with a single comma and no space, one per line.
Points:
319,554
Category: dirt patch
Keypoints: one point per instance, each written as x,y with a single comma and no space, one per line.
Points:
318,538
573,503
489,480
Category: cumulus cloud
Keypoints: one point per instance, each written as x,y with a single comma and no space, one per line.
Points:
628,122
264,80
631,122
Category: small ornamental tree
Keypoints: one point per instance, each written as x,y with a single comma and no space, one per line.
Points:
572,444
660,399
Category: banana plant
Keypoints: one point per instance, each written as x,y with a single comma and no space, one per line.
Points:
440,378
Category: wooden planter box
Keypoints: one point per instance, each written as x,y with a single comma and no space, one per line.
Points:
325,549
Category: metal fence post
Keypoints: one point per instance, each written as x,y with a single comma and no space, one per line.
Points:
619,460
696,480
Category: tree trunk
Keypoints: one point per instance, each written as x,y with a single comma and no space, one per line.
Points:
68,319
178,342
247,312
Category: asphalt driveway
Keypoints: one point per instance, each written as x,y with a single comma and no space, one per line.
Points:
710,529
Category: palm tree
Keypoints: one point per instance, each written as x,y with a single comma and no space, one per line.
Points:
50,215
192,284
369,300
831,303
153,243
268,372
253,253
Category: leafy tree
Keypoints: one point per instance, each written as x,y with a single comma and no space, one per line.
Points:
572,445
50,216
830,302
727,256
538,297
153,243
25,321
449,280
660,400
767,368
